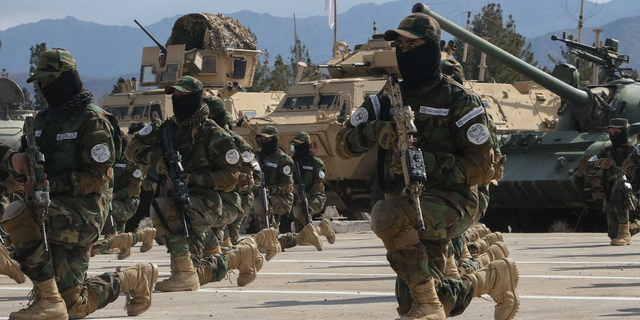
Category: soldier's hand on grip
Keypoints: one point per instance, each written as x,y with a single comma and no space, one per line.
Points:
603,163
387,135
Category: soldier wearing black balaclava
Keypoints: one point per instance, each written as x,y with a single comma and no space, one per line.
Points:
617,193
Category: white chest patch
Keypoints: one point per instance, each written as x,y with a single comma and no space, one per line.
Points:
38,133
478,134
100,153
137,174
434,111
271,164
232,156
307,167
67,136
121,165
472,114
146,130
361,115
286,170
321,174
247,156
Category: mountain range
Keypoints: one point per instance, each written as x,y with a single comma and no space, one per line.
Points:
108,52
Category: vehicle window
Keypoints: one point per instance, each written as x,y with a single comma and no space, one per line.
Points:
140,111
117,111
299,102
249,113
326,101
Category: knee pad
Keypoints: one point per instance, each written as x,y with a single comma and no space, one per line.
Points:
165,216
20,222
390,223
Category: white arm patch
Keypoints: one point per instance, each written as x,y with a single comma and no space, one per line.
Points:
137,174
321,174
472,114
247,156
146,130
478,134
361,115
100,153
232,156
286,170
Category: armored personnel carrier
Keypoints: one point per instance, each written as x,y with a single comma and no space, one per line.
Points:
11,117
216,49
320,107
544,178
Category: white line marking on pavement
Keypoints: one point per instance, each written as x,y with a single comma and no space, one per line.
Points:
616,263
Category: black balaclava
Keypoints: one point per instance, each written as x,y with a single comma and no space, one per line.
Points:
187,105
620,139
270,146
219,117
419,64
62,89
302,150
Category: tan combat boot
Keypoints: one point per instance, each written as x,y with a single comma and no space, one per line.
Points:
499,279
480,246
183,276
122,242
245,259
146,236
624,237
215,250
227,242
496,251
308,235
426,305
267,240
10,267
46,304
451,268
465,252
325,230
137,284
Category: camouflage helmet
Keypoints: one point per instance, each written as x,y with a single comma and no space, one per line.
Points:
268,132
416,26
214,104
185,84
51,64
452,68
301,137
619,123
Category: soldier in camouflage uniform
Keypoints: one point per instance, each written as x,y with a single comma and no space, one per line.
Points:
312,172
127,177
77,140
211,164
278,180
457,148
617,201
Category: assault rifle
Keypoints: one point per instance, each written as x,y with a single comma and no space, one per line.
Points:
413,169
265,200
41,199
179,189
302,191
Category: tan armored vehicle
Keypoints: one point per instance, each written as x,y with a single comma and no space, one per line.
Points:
11,118
321,107
214,48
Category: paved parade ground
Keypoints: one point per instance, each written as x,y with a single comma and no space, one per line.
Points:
562,276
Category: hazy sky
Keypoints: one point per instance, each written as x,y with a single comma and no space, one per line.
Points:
122,12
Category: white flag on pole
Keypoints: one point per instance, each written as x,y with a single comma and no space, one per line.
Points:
328,7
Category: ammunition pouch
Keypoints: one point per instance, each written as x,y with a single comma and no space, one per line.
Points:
390,223
165,217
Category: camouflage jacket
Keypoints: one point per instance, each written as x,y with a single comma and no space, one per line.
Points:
127,176
312,172
453,135
278,171
612,178
631,165
209,157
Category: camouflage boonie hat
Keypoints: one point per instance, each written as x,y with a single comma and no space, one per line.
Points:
301,137
452,68
618,123
214,104
185,84
416,26
51,64
268,131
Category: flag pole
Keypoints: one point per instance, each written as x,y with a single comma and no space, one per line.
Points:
335,22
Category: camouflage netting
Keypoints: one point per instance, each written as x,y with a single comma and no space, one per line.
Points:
206,31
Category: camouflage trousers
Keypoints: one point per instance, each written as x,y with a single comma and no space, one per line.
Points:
316,204
202,219
216,234
455,249
446,217
70,234
232,230
123,210
217,263
279,204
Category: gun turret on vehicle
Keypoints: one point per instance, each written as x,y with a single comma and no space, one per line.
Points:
544,175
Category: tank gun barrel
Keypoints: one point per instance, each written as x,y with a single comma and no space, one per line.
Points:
162,48
575,97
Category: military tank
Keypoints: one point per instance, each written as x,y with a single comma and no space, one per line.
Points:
216,49
544,178
320,107
11,117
